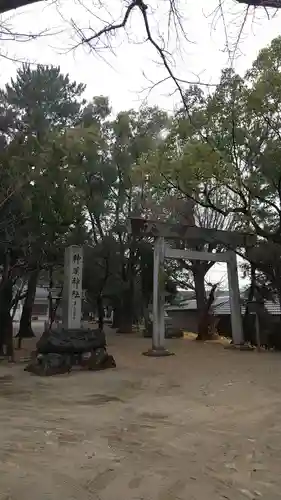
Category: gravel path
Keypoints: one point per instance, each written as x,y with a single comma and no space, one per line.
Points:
201,425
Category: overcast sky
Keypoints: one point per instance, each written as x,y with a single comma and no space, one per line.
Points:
210,38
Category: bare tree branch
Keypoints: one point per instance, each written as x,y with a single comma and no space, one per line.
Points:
275,4
6,5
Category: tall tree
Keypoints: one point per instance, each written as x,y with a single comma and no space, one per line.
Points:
106,156
135,134
165,172
37,107
230,143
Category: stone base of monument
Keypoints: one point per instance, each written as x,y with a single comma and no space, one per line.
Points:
158,353
60,350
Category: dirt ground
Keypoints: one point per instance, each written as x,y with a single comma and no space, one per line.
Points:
202,425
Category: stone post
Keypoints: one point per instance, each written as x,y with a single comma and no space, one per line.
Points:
72,290
234,297
158,334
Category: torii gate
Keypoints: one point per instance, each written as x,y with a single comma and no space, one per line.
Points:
161,231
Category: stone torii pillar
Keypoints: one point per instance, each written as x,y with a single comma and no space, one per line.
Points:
158,333
234,298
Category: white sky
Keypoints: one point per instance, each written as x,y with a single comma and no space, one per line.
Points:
121,75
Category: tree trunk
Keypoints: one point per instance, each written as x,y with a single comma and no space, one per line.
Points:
206,323
116,316
100,312
126,323
7,346
200,292
51,317
16,300
6,322
127,304
25,330
127,311
277,345
247,320
126,316
278,289
147,321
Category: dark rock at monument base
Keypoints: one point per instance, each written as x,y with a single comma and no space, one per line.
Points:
49,364
70,341
99,359
59,351
54,364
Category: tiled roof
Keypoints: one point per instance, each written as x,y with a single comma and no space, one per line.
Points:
186,305
224,308
221,306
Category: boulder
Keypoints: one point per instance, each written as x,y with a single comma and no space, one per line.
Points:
70,341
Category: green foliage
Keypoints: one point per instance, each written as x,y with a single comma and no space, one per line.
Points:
73,172
44,98
224,154
38,207
230,141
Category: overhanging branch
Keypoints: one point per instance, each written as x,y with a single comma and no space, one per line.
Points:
6,5
275,4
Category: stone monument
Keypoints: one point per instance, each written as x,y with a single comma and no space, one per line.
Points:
61,349
72,290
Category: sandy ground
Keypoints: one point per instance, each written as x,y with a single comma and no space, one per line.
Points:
202,425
